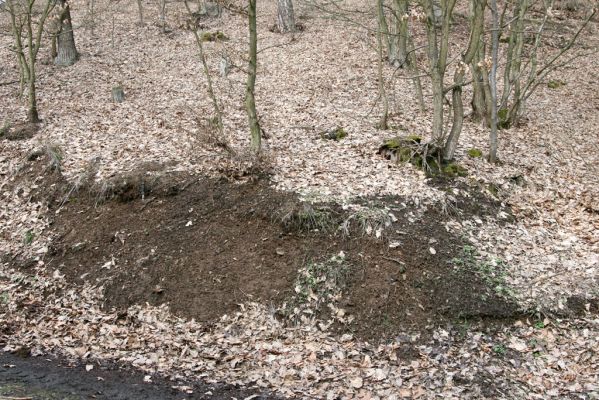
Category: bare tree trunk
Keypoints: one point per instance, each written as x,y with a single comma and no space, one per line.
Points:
478,103
66,51
250,100
32,114
21,16
383,27
162,6
382,93
217,110
92,16
511,77
413,68
438,46
285,16
399,41
476,29
437,88
140,12
493,82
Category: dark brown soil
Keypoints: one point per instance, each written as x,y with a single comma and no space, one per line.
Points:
203,246
23,377
20,131
579,305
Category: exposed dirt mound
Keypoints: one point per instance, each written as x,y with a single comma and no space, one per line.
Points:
204,251
205,245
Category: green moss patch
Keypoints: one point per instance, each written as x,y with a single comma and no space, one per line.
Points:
503,118
453,170
555,84
424,156
334,134
475,153
217,36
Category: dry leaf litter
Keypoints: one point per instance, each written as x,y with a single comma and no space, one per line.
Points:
322,78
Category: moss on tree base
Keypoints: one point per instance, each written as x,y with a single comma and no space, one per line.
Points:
425,156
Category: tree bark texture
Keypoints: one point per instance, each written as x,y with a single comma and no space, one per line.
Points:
438,46
285,16
250,100
66,51
382,93
140,12
399,41
493,82
22,21
476,29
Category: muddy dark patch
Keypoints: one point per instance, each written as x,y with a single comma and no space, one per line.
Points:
56,379
20,131
580,305
205,245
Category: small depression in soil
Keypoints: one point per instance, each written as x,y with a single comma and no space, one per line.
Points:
204,246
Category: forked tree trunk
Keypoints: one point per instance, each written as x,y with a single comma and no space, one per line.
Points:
511,78
438,47
66,52
476,29
27,33
285,16
250,100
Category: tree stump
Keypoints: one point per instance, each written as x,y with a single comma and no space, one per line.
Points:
211,9
224,65
118,94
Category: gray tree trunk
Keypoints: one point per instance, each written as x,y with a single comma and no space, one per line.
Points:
438,46
22,22
162,10
382,92
399,42
140,12
437,89
250,100
476,29
66,51
285,16
479,109
493,82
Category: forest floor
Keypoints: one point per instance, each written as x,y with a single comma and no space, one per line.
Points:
325,271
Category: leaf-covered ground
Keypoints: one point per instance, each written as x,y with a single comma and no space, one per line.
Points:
321,78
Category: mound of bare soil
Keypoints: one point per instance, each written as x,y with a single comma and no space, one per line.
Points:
205,245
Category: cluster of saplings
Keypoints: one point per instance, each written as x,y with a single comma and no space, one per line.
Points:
505,40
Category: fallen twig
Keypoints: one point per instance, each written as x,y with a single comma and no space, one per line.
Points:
6,84
15,398
397,260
